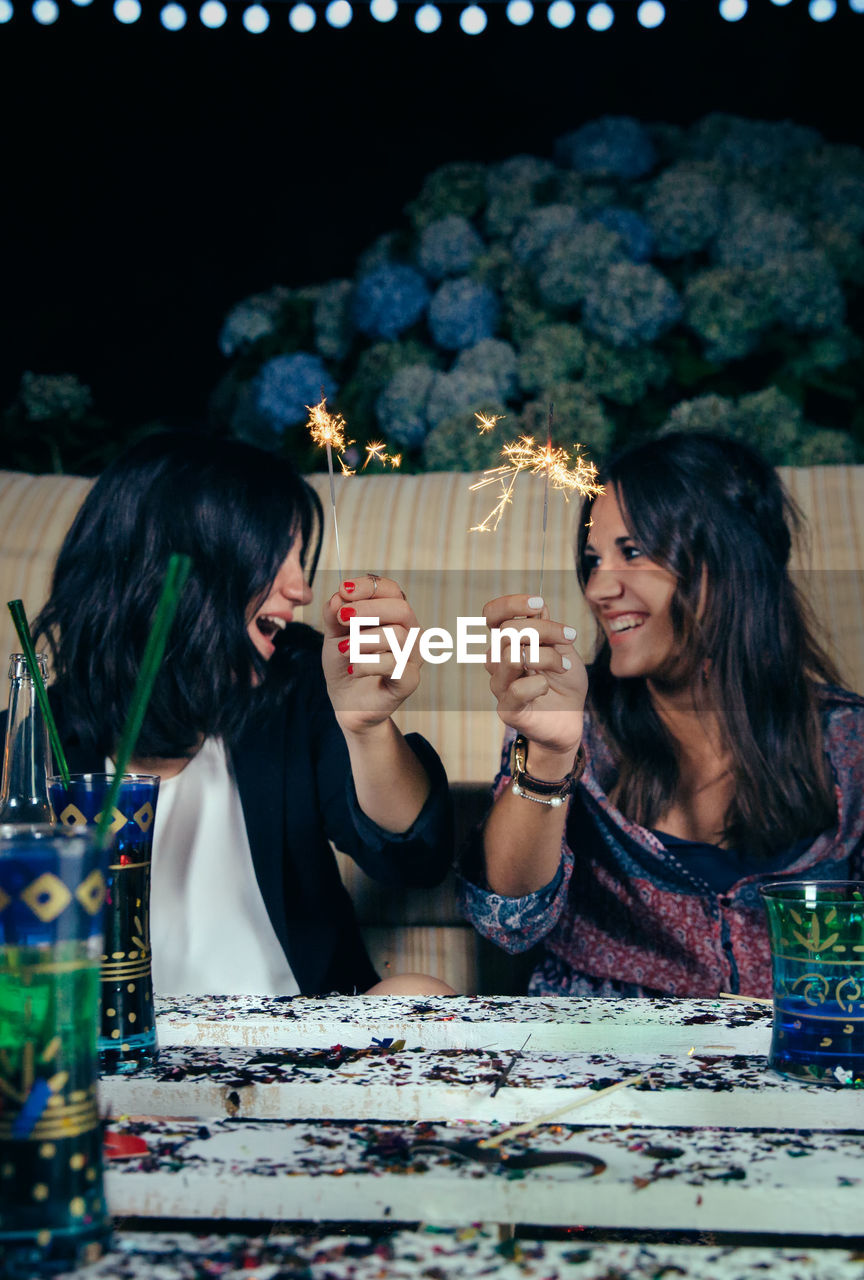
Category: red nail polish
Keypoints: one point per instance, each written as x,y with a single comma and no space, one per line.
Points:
344,645
346,612
348,586
350,669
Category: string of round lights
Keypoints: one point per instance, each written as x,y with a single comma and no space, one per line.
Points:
428,15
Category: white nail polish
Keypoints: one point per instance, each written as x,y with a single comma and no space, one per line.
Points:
569,633
535,602
566,663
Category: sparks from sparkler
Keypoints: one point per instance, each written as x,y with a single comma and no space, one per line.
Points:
569,475
487,421
376,451
328,430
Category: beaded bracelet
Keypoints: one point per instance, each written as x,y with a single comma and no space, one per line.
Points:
536,789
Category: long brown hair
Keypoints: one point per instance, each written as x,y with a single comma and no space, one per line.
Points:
715,514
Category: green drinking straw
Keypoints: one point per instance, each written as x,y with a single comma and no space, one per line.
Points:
19,617
172,588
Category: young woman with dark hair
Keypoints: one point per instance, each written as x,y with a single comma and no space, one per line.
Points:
707,749
269,745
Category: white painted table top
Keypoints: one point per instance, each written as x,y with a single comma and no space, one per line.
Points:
459,1022
328,1110
463,1254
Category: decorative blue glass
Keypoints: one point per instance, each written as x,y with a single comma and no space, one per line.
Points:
817,955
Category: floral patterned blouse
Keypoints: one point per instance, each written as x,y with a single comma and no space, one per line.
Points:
625,916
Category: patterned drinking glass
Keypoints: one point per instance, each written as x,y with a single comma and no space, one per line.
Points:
817,957
52,1206
127,1038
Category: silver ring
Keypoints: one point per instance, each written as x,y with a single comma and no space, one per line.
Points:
375,579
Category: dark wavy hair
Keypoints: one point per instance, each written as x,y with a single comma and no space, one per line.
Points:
236,511
711,511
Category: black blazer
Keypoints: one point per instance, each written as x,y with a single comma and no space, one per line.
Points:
293,775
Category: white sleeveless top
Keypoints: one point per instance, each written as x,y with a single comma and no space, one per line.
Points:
209,928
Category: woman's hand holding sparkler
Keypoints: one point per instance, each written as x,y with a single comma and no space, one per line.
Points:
390,781
543,699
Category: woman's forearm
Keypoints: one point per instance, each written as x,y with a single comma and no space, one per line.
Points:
522,837
391,783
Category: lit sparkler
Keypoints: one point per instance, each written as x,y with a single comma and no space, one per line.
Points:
328,431
486,421
576,475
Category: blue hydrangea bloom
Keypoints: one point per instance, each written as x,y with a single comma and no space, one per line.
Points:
613,146
636,235
462,313
494,358
631,304
285,385
448,247
401,406
541,227
389,300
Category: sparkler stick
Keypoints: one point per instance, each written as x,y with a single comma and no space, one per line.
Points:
546,492
328,429
519,1129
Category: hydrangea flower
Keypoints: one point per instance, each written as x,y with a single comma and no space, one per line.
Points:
806,292
332,319
553,353
389,300
711,412
460,393
752,234
448,247
461,313
518,171
843,249
573,261
823,446
631,304
728,309
493,357
772,422
253,318
624,377
44,396
579,418
454,188
750,144
540,228
513,188
617,146
684,209
767,419
636,235
456,445
401,406
285,385
840,197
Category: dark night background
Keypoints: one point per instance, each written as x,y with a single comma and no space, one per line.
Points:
152,179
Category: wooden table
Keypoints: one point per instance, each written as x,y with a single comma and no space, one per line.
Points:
368,1110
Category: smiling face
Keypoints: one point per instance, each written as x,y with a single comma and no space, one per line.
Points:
267,618
629,594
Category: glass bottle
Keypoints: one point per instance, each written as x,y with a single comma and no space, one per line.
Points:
27,752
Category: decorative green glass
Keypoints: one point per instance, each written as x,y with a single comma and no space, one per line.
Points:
127,1038
52,1207
817,956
